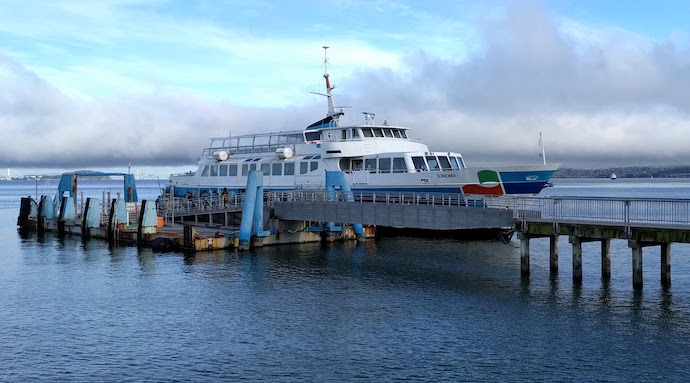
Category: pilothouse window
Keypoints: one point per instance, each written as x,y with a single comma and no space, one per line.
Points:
445,164
367,132
433,163
419,164
454,163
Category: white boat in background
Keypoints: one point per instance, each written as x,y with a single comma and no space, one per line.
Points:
375,158
613,176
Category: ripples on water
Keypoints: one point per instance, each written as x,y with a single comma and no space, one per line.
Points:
390,309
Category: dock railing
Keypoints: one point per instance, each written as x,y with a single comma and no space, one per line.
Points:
436,199
609,210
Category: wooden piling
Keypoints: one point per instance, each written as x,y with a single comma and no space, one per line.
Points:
666,264
636,263
606,258
577,259
553,254
524,255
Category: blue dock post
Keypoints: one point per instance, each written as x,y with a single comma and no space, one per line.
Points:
337,178
258,218
248,208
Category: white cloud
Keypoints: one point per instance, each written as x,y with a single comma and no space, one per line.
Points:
600,96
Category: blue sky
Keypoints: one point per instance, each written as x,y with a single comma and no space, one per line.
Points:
95,83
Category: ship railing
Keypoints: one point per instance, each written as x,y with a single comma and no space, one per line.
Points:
609,210
178,205
250,149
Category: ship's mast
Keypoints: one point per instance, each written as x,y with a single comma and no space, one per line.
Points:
329,88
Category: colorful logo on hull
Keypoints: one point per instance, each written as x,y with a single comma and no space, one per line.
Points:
489,184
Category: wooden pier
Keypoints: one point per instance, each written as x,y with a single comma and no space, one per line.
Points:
308,215
640,222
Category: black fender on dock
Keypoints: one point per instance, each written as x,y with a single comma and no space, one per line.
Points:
24,212
163,244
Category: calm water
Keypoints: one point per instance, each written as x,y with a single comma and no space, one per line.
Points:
385,310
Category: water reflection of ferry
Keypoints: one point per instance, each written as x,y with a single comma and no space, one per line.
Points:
374,157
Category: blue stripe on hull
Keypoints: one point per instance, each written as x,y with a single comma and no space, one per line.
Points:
524,187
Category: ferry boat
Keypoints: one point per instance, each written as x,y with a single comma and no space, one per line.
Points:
374,157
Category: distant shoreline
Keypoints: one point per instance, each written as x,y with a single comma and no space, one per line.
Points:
626,172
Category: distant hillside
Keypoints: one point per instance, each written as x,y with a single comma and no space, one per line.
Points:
626,172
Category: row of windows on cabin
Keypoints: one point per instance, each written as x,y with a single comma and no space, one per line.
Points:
347,134
276,169
398,165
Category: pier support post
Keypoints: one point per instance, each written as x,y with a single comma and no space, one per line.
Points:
636,247
666,264
577,259
553,254
606,259
524,254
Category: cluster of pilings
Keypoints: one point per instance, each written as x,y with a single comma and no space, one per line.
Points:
637,239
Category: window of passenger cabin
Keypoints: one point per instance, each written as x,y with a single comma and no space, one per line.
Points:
378,132
204,173
232,170
419,164
252,167
396,133
343,135
245,169
313,166
312,136
399,165
266,169
370,165
357,165
433,163
454,163
387,133
289,168
354,133
367,132
385,165
303,167
223,170
277,169
445,164
462,163
214,171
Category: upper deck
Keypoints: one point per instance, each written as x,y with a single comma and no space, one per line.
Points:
270,142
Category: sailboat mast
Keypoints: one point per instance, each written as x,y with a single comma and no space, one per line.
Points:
543,153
